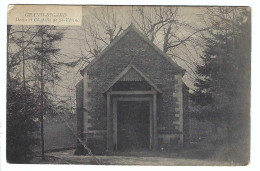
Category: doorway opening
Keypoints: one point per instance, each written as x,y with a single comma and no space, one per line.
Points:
133,125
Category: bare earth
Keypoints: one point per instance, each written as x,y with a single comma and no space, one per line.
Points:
67,157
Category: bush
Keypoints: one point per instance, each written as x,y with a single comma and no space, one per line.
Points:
21,112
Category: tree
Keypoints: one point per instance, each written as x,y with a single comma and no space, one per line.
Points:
223,88
99,28
47,69
155,19
19,49
179,39
21,124
21,102
33,48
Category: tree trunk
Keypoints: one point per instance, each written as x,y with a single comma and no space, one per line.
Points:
42,101
23,58
8,69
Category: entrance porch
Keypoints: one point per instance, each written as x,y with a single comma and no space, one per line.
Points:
132,112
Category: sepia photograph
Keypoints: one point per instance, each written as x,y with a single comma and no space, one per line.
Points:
128,85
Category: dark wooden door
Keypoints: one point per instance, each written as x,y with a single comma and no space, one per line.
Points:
133,125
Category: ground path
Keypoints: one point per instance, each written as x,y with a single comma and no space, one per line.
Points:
67,157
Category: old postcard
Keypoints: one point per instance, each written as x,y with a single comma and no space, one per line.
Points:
128,85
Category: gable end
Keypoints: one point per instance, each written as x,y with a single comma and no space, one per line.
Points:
125,72
143,37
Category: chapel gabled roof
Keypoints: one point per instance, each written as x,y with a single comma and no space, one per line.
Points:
145,38
126,71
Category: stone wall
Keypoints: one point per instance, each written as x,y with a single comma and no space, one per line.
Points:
58,136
